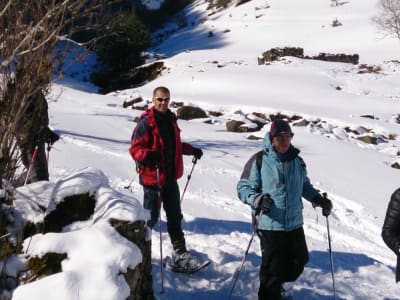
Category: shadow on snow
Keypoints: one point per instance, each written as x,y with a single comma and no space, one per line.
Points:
195,36
214,282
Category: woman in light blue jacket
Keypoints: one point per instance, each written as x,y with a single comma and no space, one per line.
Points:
273,182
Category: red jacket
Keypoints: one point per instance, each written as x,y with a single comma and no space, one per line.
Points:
146,138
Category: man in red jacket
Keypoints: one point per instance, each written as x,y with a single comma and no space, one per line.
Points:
157,147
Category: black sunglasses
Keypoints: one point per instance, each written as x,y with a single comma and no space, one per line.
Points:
162,99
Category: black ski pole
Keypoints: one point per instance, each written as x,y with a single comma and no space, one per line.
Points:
160,229
331,257
245,254
194,161
48,152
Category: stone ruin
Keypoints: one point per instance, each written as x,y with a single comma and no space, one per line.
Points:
276,53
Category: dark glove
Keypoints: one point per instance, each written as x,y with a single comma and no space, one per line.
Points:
46,135
52,137
262,202
41,136
153,156
197,152
324,203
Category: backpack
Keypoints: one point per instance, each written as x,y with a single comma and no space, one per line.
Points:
246,173
258,158
142,117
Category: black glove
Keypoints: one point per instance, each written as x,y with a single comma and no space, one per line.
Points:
197,152
324,203
262,202
153,156
46,135
41,136
52,137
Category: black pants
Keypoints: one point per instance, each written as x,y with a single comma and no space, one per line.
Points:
170,199
284,255
39,170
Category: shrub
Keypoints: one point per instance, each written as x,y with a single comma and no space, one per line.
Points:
240,2
389,18
121,49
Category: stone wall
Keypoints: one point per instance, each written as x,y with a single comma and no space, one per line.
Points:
276,53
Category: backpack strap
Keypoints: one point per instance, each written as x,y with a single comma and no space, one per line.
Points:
259,156
303,164
142,126
247,167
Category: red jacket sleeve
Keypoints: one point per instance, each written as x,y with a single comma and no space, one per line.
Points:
140,142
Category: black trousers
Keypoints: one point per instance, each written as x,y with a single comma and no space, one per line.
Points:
284,255
39,169
170,199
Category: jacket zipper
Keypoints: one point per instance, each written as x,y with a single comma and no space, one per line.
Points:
286,197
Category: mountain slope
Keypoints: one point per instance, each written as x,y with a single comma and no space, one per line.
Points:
220,73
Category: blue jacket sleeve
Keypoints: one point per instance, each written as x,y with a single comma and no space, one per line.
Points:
249,187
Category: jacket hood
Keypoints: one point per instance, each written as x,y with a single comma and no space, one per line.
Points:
269,148
267,145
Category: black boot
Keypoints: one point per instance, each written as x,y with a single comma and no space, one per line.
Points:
179,246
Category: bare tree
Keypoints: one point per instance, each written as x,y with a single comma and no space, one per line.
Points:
389,18
29,34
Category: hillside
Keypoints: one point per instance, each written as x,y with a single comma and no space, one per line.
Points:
220,73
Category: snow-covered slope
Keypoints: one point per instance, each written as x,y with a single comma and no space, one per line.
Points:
220,73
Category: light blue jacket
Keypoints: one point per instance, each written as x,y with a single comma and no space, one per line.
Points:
286,182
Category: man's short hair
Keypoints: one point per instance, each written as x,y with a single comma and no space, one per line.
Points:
161,89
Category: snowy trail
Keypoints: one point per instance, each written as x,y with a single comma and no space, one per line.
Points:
235,236
218,225
221,74
358,252
95,148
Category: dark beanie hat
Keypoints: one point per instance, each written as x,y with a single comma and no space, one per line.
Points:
277,127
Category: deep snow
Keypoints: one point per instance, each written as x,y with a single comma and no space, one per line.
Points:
220,73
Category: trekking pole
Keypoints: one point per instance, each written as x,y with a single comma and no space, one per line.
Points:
31,164
160,229
258,217
161,253
48,152
194,161
129,186
331,256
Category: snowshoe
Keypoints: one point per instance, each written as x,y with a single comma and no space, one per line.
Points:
185,263
285,295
